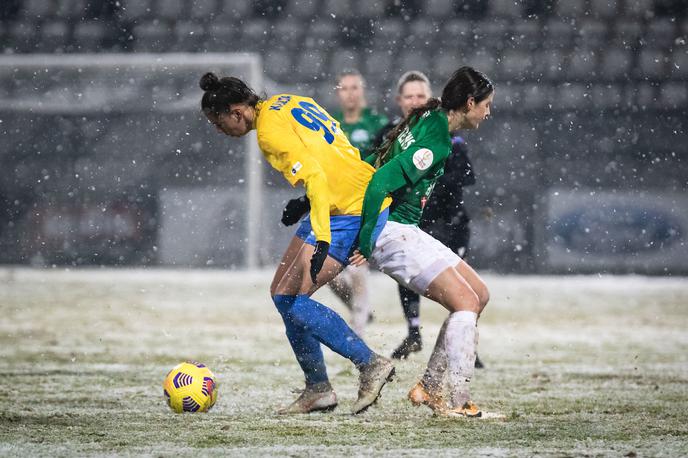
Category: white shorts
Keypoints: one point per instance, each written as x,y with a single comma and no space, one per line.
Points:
410,256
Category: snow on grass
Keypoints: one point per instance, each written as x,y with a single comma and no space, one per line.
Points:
581,365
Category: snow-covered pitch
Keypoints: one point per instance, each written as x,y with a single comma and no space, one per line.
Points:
581,366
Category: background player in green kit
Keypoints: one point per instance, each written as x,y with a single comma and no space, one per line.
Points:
359,123
409,164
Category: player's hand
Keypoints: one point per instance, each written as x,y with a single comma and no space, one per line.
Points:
294,210
318,259
357,259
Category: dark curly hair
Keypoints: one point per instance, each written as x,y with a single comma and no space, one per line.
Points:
220,93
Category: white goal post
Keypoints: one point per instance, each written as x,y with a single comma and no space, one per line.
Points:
103,83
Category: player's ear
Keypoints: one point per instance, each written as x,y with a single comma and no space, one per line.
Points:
470,103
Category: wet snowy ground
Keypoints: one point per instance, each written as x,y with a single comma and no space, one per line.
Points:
580,365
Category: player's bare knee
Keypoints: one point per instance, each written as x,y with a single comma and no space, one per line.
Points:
483,296
467,301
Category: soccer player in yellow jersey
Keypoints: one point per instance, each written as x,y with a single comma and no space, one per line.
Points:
303,142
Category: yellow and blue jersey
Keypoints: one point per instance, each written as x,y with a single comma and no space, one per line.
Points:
303,142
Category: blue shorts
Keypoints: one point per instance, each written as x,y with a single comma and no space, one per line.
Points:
343,229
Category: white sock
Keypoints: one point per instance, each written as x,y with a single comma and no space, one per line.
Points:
437,364
460,344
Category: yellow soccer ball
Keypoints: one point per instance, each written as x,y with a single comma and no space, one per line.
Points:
190,387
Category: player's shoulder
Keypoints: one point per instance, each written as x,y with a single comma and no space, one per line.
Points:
435,117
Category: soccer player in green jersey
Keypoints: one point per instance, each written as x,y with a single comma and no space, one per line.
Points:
409,164
359,123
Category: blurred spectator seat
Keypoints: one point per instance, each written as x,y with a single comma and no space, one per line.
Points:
485,62
644,94
455,33
89,35
39,9
615,63
679,63
152,36
388,33
413,60
342,59
370,9
492,33
604,9
22,36
507,8
322,34
558,34
607,96
440,9
189,36
253,36
651,64
311,65
550,64
444,64
71,9
220,36
582,64
627,33
135,10
236,9
572,96
673,95
639,8
660,33
54,36
202,10
378,64
526,35
591,33
569,9
170,10
516,65
302,9
338,9
422,32
278,65
286,34
536,96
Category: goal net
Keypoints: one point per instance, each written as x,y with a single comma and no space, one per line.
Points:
120,165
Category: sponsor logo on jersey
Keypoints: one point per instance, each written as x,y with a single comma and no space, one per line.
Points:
422,159
295,168
360,136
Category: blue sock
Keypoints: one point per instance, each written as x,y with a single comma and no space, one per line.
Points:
330,329
305,346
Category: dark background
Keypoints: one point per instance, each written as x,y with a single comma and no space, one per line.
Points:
592,100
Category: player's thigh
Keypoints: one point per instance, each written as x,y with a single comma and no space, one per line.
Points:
290,256
453,291
477,283
296,279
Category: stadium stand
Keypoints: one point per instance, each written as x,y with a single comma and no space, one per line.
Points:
580,82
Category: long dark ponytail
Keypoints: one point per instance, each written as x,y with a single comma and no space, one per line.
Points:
464,83
220,93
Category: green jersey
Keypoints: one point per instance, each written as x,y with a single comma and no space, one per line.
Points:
409,174
362,133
